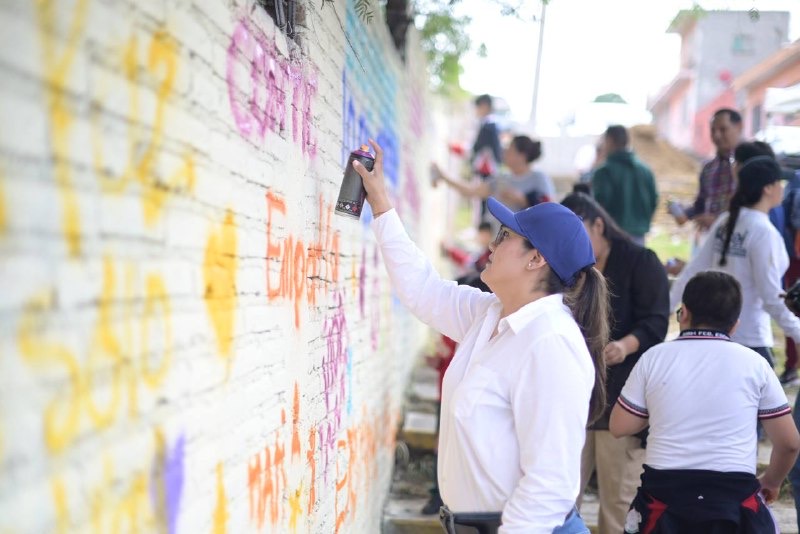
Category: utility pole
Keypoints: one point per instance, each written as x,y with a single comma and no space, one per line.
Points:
534,104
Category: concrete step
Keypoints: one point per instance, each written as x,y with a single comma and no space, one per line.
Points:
402,516
419,430
425,392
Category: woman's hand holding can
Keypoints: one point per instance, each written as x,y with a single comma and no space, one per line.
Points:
374,182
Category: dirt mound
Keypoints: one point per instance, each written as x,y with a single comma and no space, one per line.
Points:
664,159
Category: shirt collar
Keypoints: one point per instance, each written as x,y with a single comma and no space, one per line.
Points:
703,333
523,316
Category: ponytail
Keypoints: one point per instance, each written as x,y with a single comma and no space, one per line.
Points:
737,201
587,299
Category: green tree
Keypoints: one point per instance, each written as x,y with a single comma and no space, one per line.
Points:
445,37
445,41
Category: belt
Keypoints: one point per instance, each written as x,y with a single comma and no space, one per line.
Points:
469,523
476,523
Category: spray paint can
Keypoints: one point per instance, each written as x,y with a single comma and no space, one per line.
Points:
352,193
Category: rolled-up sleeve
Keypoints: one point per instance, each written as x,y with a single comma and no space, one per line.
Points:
442,304
550,402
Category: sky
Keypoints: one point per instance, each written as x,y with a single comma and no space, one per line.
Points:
590,47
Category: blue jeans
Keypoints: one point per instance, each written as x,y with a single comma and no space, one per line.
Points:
574,525
794,474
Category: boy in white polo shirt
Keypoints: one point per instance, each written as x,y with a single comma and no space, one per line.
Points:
702,395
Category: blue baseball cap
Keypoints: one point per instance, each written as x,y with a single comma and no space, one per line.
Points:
555,231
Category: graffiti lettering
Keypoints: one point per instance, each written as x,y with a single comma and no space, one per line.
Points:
111,349
144,145
166,481
221,509
57,67
269,77
219,274
115,507
266,482
304,270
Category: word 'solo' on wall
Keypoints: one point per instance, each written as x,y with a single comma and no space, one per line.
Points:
190,339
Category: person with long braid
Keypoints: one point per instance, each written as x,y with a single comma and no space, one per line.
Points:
747,246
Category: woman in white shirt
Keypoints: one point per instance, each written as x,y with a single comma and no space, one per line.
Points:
744,243
528,370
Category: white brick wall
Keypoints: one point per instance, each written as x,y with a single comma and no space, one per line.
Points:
149,381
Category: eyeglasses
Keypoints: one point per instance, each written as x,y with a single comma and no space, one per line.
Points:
501,236
679,313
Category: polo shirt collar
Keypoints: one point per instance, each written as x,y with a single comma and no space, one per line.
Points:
703,333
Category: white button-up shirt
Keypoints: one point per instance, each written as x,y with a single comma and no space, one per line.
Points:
514,407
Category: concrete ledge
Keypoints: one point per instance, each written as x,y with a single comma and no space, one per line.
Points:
425,391
402,517
419,430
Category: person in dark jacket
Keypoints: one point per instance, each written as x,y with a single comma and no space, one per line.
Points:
624,186
639,292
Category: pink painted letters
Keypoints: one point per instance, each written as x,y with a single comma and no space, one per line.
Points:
258,81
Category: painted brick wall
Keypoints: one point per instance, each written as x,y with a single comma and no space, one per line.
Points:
190,339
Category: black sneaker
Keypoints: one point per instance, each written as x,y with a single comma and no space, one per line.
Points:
789,377
433,504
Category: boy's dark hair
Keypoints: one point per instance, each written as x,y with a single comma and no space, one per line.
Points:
734,116
484,99
485,227
714,299
618,135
